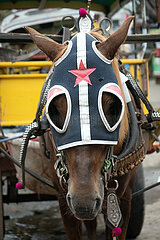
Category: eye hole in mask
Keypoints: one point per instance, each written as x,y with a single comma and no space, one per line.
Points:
58,108
111,106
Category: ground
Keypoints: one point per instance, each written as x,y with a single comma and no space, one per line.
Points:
151,225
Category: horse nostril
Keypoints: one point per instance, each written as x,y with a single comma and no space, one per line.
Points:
97,203
68,197
69,200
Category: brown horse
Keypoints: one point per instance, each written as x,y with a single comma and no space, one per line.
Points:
83,197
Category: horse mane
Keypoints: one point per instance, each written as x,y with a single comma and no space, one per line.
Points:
124,123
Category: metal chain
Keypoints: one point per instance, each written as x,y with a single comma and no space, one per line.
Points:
31,128
61,169
110,163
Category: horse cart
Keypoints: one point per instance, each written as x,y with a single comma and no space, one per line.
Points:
21,93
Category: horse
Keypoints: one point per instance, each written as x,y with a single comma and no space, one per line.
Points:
82,191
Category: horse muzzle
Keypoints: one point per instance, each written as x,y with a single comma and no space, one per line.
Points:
84,208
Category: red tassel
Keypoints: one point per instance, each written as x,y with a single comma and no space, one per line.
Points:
116,232
19,185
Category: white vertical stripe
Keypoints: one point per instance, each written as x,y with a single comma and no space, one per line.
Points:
81,49
83,89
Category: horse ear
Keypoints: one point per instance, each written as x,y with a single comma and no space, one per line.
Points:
47,45
110,46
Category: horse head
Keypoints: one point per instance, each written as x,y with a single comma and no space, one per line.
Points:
86,111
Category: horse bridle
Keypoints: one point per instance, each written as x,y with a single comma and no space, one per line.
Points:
61,169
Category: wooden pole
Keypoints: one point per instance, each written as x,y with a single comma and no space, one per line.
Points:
17,38
158,11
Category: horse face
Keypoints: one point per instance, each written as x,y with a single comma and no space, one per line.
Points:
85,163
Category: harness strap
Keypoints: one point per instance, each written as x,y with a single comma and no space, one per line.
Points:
127,163
136,90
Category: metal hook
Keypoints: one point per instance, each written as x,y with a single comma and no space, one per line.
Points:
116,187
103,23
68,18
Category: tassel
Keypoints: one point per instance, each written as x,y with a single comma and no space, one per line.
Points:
82,12
19,185
116,232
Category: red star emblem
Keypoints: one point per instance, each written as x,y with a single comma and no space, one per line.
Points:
82,74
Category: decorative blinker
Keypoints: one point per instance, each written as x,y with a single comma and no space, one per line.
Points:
77,77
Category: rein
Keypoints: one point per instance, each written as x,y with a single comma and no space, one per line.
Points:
33,174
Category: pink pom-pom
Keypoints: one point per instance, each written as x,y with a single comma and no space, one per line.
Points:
82,12
117,231
19,185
